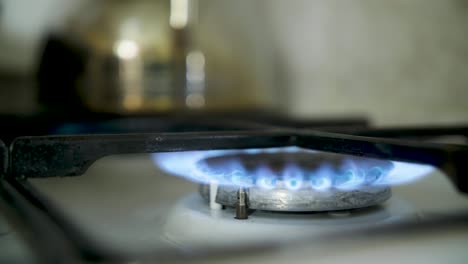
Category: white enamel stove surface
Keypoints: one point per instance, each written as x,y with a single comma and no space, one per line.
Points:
125,202
219,227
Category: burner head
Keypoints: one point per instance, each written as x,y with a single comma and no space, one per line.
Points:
298,181
304,200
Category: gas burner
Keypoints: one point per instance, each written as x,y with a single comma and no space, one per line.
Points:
299,181
304,200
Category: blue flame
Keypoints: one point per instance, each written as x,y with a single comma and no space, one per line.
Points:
403,173
265,178
320,180
293,177
350,175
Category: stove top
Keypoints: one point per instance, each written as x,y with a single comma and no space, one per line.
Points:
120,207
155,217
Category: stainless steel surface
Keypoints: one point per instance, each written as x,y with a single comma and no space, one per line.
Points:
304,200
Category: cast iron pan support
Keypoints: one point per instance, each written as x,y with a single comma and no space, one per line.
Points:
54,156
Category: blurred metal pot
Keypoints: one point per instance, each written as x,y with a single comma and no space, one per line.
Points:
156,56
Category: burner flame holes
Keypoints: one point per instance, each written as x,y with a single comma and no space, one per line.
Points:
293,177
241,178
241,168
348,180
265,178
320,180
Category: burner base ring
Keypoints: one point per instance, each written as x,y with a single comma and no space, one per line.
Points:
303,200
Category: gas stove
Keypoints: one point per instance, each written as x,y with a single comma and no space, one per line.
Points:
222,188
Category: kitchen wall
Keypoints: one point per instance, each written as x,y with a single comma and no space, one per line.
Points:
23,24
398,62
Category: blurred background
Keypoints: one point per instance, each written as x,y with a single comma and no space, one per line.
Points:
397,62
